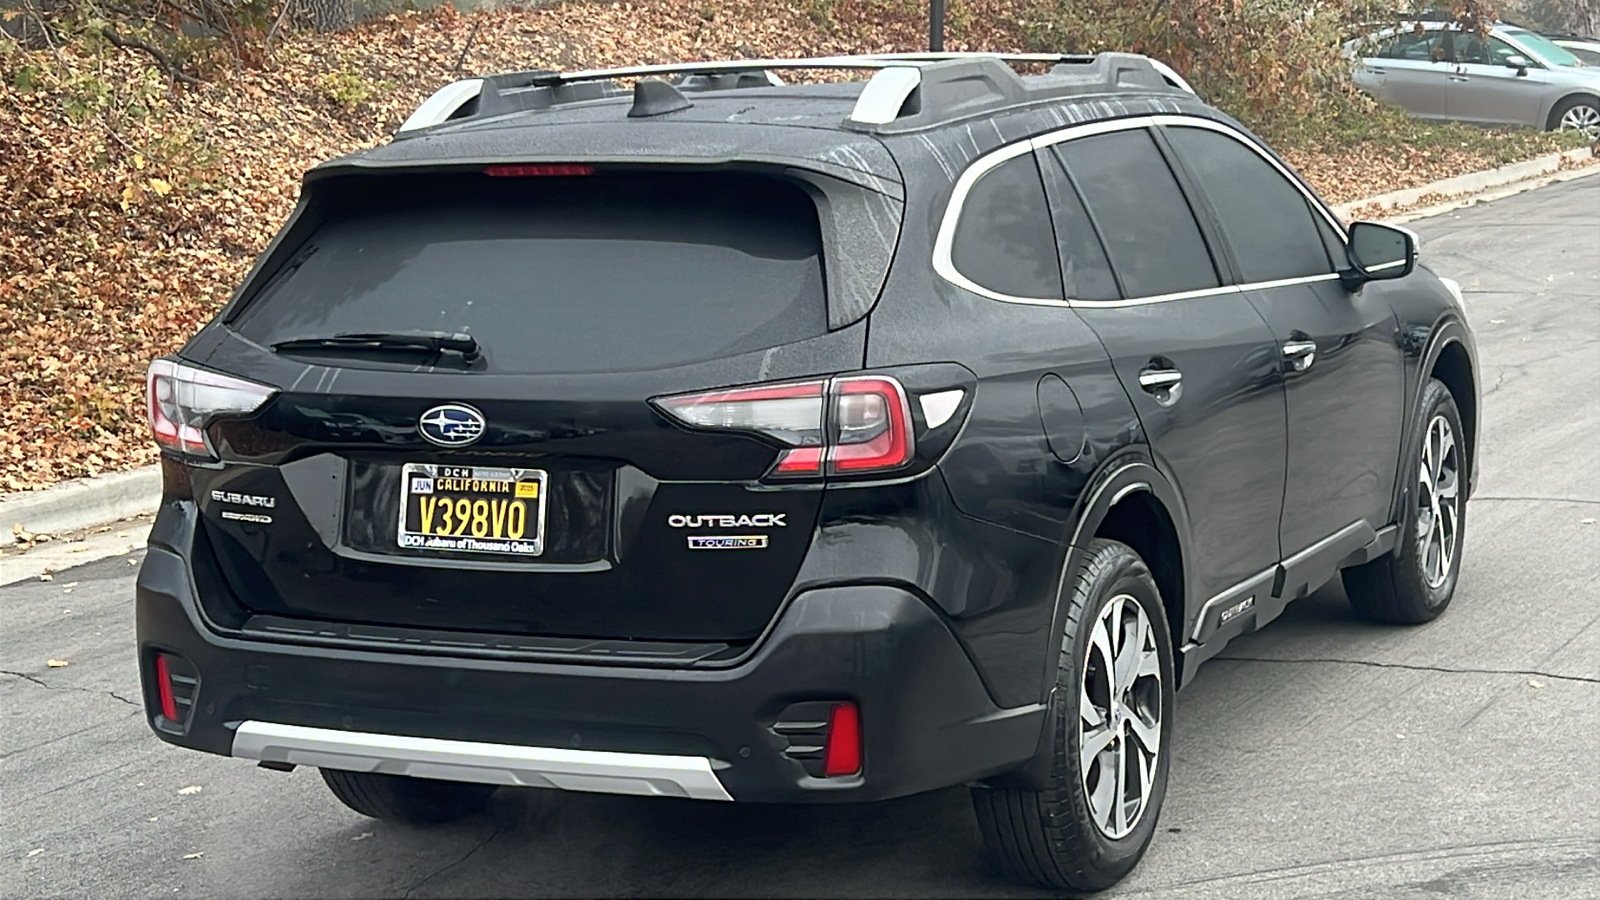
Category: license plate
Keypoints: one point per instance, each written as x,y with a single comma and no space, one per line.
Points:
472,509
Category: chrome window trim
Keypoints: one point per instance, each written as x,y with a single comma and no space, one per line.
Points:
598,771
945,238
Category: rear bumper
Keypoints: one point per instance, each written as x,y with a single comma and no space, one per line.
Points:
927,720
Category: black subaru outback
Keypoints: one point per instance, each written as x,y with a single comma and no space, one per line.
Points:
725,439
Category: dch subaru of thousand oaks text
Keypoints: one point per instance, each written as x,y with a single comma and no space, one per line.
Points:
728,439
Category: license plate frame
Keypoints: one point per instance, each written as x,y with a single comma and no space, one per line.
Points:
425,484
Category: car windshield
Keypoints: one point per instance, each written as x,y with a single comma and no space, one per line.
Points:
1543,47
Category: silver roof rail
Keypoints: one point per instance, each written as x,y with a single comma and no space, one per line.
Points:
898,76
443,104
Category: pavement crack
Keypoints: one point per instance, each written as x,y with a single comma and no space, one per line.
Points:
25,677
64,687
1530,673
464,857
1477,497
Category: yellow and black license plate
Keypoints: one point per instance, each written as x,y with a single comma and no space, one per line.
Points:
472,509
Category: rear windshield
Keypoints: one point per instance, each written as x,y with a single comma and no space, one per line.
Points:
601,272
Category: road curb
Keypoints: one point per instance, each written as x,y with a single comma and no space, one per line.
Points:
83,502
89,502
1466,188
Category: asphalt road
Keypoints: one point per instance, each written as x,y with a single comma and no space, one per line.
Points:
1322,757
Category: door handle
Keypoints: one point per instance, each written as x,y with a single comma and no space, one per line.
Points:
1377,71
1166,385
1299,354
1159,379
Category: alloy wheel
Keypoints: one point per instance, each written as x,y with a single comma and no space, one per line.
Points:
1582,118
1119,727
1438,502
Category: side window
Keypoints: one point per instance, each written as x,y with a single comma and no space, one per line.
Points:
1149,231
1003,240
1499,52
1085,271
1338,256
1264,217
1410,45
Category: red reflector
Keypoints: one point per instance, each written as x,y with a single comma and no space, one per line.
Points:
537,170
843,753
169,704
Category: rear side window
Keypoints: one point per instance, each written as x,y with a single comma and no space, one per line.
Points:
1003,240
560,274
1264,217
1085,271
1149,231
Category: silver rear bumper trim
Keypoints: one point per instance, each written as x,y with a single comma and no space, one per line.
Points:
598,771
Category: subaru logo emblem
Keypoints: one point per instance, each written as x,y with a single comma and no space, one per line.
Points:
451,425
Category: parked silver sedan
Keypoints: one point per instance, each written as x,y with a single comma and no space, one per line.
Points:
1512,76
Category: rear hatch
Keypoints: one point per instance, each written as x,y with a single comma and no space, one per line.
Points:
524,485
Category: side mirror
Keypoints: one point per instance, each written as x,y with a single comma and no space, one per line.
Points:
1520,63
1379,252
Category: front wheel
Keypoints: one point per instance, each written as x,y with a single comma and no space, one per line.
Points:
1414,583
1113,734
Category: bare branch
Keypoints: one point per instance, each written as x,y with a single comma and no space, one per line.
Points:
161,58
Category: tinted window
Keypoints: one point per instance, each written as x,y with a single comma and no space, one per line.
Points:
1003,240
1084,269
1149,232
1264,217
561,274
1493,52
1412,46
1333,241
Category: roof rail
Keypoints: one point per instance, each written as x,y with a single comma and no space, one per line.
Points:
908,90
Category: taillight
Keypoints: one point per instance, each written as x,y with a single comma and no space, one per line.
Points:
846,426
871,425
182,399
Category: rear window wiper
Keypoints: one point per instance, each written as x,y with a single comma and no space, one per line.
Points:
385,341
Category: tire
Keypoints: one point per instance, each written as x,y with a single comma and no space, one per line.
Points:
1578,114
1414,582
400,798
1067,837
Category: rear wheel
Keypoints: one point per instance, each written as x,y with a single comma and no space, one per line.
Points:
1113,715
400,798
1414,583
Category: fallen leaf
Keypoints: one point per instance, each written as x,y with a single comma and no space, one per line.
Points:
191,789
1535,683
56,663
163,188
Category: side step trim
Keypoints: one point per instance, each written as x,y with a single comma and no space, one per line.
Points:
595,771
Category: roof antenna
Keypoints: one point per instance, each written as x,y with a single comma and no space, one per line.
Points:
935,26
461,60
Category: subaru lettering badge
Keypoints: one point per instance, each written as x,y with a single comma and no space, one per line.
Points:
451,425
